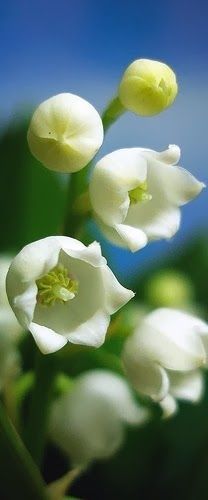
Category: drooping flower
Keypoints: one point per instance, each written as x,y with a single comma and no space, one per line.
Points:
61,290
164,356
148,87
136,194
65,133
88,422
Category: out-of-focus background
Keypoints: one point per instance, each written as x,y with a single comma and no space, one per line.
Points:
83,47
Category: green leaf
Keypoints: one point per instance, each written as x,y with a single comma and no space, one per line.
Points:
19,476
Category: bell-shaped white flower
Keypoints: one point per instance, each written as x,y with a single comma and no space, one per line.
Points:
65,133
63,291
162,358
136,194
148,87
88,422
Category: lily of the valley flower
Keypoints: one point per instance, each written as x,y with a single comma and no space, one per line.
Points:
147,87
88,422
65,133
136,194
164,356
61,290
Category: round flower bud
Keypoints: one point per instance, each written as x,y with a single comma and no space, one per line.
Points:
147,87
65,133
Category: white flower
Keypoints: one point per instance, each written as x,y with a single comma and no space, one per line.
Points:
9,326
147,87
162,358
63,291
88,422
136,194
65,133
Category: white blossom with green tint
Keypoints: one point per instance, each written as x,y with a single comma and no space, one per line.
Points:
65,133
163,357
61,290
148,87
136,194
88,422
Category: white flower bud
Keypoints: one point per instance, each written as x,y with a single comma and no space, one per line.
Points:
147,87
65,133
88,422
162,358
61,290
136,194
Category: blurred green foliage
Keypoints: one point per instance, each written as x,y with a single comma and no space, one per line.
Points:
165,459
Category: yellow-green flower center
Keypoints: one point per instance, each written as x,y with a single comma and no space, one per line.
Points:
139,194
56,286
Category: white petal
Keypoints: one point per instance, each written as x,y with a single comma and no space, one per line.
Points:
133,238
33,261
116,295
90,254
172,338
115,391
124,235
24,305
113,176
47,340
157,218
147,377
169,406
92,332
170,156
177,185
188,386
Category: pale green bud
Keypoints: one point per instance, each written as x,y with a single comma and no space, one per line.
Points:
147,87
65,133
169,288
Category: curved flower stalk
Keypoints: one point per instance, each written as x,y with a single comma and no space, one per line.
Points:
88,422
63,291
136,194
148,87
65,133
164,356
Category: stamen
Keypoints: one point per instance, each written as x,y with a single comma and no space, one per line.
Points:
139,194
56,286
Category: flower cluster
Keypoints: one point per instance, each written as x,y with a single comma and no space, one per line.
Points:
63,291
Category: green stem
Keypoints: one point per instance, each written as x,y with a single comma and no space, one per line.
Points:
39,407
76,187
19,476
112,112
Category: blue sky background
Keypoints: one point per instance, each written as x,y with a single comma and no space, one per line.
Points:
83,46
